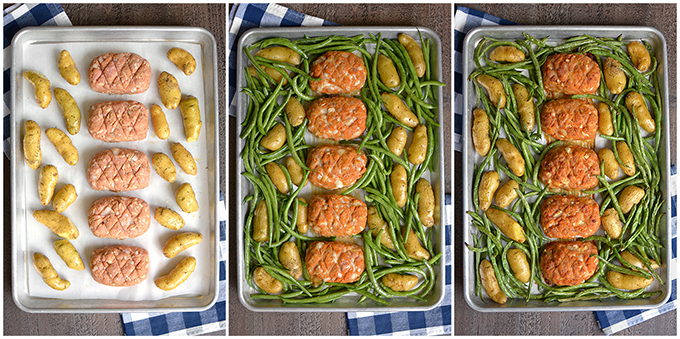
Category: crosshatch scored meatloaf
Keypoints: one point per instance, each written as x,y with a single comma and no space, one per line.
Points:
337,215
337,118
119,217
119,170
114,121
569,74
569,119
569,217
334,166
340,73
570,168
119,73
334,261
568,263
119,265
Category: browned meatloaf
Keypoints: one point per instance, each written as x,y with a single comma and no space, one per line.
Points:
119,170
336,215
569,119
568,263
570,168
119,265
334,166
340,73
114,121
119,73
334,261
569,74
569,217
119,217
337,118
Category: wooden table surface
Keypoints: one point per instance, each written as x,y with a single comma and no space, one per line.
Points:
209,16
469,322
435,16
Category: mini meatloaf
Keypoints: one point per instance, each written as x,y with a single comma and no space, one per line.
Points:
336,215
119,73
119,170
569,74
569,217
119,217
568,263
119,265
334,166
115,121
334,261
569,119
570,168
337,118
340,73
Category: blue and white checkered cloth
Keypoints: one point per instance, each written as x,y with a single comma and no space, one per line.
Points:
434,322
611,322
213,319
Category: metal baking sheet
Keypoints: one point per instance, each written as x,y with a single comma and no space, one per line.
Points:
38,49
556,35
347,303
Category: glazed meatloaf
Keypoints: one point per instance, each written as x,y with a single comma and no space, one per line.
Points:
119,73
334,166
569,217
569,74
334,261
119,170
340,73
114,121
337,118
336,215
570,168
569,119
119,217
119,265
568,263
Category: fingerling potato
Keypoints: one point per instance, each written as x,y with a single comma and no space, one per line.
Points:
506,194
275,138
48,274
280,53
164,167
277,177
68,69
399,183
639,55
47,181
494,88
266,282
186,198
289,256
192,117
629,197
177,275
32,151
397,140
611,223
301,222
490,283
399,110
168,218
480,131
506,54
160,124
63,144
636,105
69,109
276,75
295,172
64,198
169,90
41,85
181,242
417,151
183,60
611,167
425,202
58,223
295,112
69,254
627,161
261,221
413,248
614,76
388,73
376,224
635,261
525,106
184,158
512,156
604,119
506,224
627,281
399,282
415,53
487,188
519,264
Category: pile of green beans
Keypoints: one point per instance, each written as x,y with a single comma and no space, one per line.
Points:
641,225
266,102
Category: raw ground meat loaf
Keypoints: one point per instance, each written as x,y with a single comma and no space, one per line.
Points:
337,215
568,263
119,217
119,73
119,170
569,217
337,118
334,166
114,121
119,265
569,74
569,119
334,261
570,168
340,73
